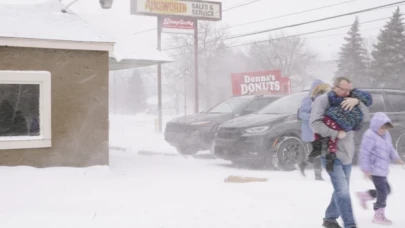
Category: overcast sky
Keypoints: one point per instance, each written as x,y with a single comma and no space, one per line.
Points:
118,21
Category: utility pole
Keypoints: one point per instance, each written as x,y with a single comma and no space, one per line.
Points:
196,80
159,74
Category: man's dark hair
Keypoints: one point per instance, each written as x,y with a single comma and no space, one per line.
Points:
338,80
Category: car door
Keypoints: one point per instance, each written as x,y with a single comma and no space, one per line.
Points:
395,101
377,106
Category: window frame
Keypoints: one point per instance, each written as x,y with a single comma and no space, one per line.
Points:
43,79
383,100
391,108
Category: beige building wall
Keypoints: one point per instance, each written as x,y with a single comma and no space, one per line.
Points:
79,106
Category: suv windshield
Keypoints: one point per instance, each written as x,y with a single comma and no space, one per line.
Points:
285,105
230,105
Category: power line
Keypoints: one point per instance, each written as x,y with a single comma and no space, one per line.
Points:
268,19
143,31
244,4
231,8
290,14
340,34
296,35
286,15
296,25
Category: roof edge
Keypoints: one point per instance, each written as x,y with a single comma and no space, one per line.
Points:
56,44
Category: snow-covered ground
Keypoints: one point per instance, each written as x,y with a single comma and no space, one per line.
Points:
137,133
173,192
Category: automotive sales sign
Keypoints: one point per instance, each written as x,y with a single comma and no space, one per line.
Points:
202,10
261,82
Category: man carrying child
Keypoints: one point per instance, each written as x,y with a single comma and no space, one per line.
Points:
341,162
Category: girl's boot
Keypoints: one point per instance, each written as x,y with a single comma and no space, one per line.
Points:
380,218
364,197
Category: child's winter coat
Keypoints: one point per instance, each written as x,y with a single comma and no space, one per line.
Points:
377,152
348,120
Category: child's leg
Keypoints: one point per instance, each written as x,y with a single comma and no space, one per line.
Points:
316,148
382,190
332,143
319,140
369,195
366,196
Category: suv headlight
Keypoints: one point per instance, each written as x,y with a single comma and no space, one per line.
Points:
201,123
257,129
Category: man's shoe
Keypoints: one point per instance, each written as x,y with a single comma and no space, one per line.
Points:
329,224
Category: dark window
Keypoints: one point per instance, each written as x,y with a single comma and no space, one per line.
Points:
19,109
230,105
396,102
285,105
378,103
259,103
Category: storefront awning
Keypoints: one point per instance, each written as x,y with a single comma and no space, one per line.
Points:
128,55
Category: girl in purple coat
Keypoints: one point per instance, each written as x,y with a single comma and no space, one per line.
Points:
376,154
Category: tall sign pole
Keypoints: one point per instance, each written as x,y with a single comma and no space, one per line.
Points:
191,10
196,80
159,74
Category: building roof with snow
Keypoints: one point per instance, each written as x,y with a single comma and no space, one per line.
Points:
131,54
42,24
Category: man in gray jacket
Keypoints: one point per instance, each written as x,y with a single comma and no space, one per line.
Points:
340,204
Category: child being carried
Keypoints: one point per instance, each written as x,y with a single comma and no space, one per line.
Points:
339,119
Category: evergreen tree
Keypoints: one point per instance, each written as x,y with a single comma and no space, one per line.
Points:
388,65
353,59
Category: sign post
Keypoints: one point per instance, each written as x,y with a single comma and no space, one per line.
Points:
196,80
159,74
182,10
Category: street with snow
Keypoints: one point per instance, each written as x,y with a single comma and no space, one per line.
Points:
165,190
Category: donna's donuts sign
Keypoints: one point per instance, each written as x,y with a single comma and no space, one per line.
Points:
261,82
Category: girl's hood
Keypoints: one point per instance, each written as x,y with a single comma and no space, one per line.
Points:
378,120
315,84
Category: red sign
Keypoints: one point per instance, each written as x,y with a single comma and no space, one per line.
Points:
262,82
177,25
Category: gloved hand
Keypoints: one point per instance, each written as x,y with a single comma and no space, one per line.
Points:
330,161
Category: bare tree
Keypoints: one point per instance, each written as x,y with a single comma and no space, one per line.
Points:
211,49
289,54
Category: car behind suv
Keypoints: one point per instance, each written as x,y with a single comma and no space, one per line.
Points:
192,133
271,136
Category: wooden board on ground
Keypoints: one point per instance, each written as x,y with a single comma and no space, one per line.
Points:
241,179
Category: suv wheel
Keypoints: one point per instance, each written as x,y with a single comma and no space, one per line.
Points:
187,150
288,153
400,146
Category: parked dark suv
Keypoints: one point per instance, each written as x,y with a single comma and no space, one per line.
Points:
193,133
271,136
